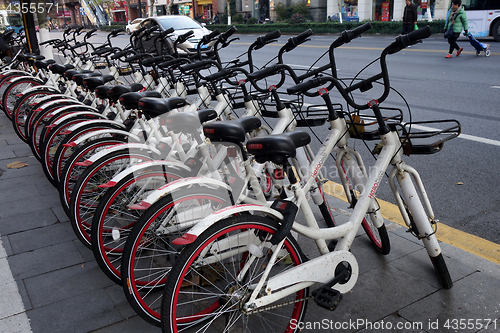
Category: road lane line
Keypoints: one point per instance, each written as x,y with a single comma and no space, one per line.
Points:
462,240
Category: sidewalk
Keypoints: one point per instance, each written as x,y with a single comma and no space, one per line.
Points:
49,282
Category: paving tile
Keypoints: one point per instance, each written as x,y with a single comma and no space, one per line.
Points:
20,207
41,237
377,293
418,264
44,260
47,188
473,297
27,221
6,152
15,324
394,324
78,314
19,193
3,142
117,296
84,251
59,285
21,149
33,168
60,213
15,140
134,324
5,274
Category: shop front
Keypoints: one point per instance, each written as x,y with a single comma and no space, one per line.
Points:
204,9
183,7
119,11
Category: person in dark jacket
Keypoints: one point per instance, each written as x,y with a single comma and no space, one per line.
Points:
409,17
458,18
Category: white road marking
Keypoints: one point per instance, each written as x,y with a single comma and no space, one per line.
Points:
463,136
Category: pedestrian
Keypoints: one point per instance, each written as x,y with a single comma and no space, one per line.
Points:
216,19
409,17
457,20
246,17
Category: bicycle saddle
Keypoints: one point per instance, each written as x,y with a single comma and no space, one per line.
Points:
78,78
153,107
44,63
131,100
231,130
278,147
114,92
187,122
60,69
92,83
69,74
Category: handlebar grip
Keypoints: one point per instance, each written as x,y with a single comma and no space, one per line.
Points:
205,39
303,36
67,31
91,31
134,57
293,42
305,86
119,54
138,31
219,75
263,73
358,31
167,32
418,34
272,35
229,32
405,40
195,65
78,30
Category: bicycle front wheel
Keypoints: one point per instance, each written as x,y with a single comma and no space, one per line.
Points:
214,276
149,253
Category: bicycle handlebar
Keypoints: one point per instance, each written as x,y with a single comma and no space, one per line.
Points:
293,42
268,38
406,40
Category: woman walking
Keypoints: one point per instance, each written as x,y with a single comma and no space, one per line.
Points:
457,20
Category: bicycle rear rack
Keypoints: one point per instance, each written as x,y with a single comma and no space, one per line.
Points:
428,140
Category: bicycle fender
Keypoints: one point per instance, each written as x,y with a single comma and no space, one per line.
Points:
42,88
97,121
137,168
289,211
222,214
176,185
105,151
76,114
69,107
87,136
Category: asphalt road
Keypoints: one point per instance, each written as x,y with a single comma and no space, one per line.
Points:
460,180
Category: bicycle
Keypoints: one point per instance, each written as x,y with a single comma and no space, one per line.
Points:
247,271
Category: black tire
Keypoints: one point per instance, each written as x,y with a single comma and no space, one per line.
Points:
86,193
495,30
22,109
442,271
378,236
113,215
17,86
217,304
64,152
149,253
71,172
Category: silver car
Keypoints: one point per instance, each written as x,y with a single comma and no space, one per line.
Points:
181,24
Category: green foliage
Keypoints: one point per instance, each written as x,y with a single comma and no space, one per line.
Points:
281,11
378,28
252,20
301,8
111,27
237,19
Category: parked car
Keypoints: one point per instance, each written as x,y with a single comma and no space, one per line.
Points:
181,24
132,26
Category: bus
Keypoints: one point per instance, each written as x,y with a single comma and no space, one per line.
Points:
483,17
11,20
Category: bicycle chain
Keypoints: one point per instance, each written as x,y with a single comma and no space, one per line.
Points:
270,307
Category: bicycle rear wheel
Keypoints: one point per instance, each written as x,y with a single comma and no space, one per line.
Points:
215,275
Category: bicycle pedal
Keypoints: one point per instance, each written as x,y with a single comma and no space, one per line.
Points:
327,297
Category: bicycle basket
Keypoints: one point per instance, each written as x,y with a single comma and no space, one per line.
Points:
365,126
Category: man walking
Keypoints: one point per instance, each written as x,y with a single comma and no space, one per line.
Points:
409,17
